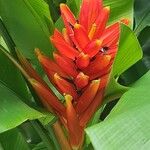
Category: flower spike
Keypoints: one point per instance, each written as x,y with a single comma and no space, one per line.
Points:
75,131
101,22
90,10
86,49
86,116
64,86
68,67
82,61
49,66
48,96
81,80
63,47
80,36
87,97
93,48
65,11
101,62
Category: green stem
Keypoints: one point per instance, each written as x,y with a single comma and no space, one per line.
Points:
43,135
53,136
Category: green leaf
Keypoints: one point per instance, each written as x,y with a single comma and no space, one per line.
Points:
13,78
13,140
42,9
127,126
26,25
74,5
13,111
128,46
129,51
120,9
114,90
142,15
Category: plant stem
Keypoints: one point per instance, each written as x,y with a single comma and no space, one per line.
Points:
60,136
53,137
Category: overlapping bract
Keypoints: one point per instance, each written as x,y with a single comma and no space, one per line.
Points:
80,70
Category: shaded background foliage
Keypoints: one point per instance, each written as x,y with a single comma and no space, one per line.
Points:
31,134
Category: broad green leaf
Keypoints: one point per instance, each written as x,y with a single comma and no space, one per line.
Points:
142,15
142,66
54,10
129,51
12,77
114,90
42,9
127,126
13,140
26,25
120,9
13,111
128,46
74,5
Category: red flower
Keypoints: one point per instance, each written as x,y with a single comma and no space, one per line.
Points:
81,65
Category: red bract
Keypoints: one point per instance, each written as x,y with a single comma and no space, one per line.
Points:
82,63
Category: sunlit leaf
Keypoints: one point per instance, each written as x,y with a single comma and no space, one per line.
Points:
129,51
127,126
26,25
12,77
13,111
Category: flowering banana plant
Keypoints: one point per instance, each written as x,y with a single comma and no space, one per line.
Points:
88,55
82,63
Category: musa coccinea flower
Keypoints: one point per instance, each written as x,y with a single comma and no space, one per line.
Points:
81,66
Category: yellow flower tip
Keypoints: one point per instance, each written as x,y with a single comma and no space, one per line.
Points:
77,26
54,55
126,21
99,42
85,56
108,57
64,30
68,98
56,77
83,75
62,5
94,25
107,8
37,52
92,31
33,81
96,81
